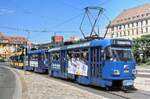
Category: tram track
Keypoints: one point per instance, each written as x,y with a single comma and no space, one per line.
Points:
93,89
112,94
124,97
139,92
115,94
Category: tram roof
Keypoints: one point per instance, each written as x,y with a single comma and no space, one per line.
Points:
37,51
93,43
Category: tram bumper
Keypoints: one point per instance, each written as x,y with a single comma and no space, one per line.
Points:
128,85
127,82
119,82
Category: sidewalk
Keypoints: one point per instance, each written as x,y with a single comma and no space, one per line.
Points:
142,83
143,67
143,71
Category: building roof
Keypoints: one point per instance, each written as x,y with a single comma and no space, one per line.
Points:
16,39
132,14
2,35
21,39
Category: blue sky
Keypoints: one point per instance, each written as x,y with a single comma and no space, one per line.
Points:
60,16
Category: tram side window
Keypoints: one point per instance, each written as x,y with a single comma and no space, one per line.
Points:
73,55
84,55
78,55
16,58
21,58
55,56
46,55
41,56
108,54
69,55
34,57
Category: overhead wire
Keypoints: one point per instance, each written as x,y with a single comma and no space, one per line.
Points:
55,26
69,5
67,21
104,2
28,30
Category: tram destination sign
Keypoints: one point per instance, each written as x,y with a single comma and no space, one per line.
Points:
122,42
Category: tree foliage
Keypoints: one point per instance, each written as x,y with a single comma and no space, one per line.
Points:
142,46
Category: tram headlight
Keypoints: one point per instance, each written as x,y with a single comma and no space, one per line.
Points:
116,72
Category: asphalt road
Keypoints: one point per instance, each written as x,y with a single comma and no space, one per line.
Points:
7,83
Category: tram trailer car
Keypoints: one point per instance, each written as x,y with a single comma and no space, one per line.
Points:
36,60
17,61
105,63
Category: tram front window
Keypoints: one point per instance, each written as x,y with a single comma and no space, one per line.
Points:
122,54
119,54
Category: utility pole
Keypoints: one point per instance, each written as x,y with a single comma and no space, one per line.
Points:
28,35
26,51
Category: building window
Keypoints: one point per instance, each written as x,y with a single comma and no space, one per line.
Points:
119,27
142,15
125,19
147,26
138,16
129,18
118,21
120,34
147,14
137,32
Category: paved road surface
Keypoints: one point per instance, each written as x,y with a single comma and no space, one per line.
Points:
7,83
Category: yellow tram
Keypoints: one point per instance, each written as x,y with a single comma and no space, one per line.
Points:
17,60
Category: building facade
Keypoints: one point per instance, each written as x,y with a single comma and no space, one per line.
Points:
57,39
131,23
9,44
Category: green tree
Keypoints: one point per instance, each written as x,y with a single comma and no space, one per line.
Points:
142,44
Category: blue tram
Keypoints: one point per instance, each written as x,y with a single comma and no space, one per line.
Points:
104,63
37,61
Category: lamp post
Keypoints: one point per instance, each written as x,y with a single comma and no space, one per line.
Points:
26,48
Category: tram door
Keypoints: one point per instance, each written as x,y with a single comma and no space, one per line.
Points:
95,66
63,62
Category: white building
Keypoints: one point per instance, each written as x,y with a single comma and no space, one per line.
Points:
131,23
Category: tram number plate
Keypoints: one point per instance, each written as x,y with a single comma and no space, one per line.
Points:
127,82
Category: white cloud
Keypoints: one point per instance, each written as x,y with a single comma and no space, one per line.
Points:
6,11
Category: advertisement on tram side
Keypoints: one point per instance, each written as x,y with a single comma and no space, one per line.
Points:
34,63
77,67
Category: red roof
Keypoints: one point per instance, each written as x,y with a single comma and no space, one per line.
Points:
13,38
133,14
